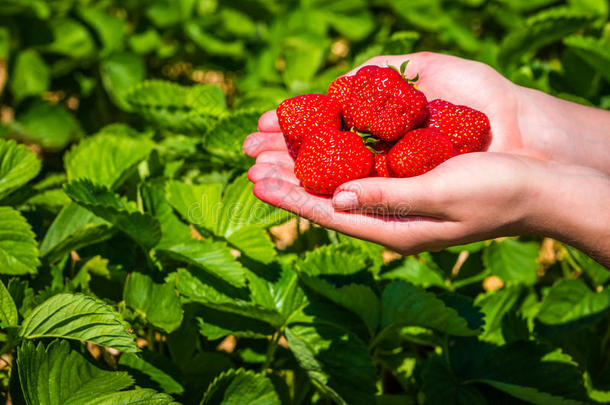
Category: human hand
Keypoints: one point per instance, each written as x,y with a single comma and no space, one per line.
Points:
457,80
485,194
471,197
455,203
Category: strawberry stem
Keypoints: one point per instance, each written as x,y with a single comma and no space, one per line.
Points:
403,70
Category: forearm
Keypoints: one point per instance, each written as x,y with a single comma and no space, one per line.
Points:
565,131
572,204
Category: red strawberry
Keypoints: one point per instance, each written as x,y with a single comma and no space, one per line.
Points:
467,127
299,116
381,168
419,151
382,102
330,157
340,90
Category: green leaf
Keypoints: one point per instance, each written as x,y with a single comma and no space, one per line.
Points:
196,288
5,39
357,298
8,311
73,228
145,42
338,273
404,304
241,387
304,54
58,375
120,72
30,75
423,14
70,38
527,5
162,14
526,370
373,251
401,42
336,361
570,304
106,159
512,260
179,108
213,257
78,317
239,217
17,166
441,386
215,324
109,28
237,22
470,247
18,247
495,305
598,7
137,366
50,126
420,271
143,228
351,19
542,29
212,44
158,302
133,397
254,242
226,138
592,51
241,207
340,260
173,230
197,204
277,291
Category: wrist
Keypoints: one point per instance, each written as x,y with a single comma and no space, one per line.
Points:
564,131
570,203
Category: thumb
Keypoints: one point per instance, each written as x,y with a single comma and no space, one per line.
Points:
391,196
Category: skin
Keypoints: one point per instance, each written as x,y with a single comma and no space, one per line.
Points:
545,166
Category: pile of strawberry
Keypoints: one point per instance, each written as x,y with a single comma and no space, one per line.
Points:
375,123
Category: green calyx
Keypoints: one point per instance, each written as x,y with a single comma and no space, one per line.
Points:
402,71
369,140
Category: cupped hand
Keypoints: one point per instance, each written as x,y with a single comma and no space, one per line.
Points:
457,202
470,197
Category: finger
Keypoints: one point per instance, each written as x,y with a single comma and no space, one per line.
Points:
407,234
417,62
268,122
258,142
392,196
275,157
261,171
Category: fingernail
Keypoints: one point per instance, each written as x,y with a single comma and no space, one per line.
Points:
345,200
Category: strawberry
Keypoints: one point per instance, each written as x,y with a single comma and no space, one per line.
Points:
299,116
340,90
381,150
329,157
467,127
419,151
382,102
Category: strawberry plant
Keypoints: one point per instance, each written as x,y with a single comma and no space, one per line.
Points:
137,266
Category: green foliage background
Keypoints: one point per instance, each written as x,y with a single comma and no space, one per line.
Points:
137,266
